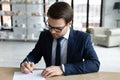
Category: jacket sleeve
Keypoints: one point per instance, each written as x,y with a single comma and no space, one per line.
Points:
36,54
90,62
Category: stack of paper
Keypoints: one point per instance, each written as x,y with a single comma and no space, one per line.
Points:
36,75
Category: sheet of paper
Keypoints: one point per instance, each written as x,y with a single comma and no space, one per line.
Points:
36,75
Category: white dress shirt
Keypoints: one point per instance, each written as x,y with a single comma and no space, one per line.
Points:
63,43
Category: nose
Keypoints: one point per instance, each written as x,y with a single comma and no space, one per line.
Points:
52,31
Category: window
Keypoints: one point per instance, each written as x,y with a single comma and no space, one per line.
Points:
87,13
94,12
5,20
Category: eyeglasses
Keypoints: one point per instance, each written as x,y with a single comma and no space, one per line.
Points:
57,29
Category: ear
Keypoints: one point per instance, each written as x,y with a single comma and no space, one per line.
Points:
69,23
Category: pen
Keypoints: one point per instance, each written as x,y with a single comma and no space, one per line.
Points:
28,61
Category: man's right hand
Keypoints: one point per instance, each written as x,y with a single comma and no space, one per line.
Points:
27,67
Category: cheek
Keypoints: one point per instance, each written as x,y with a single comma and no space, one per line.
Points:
63,32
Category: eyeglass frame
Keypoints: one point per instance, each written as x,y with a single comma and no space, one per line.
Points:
56,29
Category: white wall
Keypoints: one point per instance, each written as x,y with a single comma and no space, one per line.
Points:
109,14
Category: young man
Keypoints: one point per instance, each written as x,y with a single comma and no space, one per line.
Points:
77,55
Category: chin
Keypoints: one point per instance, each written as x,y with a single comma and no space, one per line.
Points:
56,37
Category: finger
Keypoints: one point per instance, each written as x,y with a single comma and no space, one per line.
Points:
30,66
56,70
43,73
23,66
26,71
47,70
47,73
51,74
26,67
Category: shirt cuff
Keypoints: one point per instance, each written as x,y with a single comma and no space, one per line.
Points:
63,67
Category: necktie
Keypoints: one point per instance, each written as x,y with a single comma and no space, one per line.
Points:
58,52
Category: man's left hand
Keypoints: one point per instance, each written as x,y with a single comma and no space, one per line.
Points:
52,71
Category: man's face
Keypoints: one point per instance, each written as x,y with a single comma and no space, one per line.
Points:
57,27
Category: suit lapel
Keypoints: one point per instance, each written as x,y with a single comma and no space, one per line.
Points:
70,46
49,50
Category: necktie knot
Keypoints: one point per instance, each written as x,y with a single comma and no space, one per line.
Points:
59,39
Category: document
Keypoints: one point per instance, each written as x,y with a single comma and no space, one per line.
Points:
35,75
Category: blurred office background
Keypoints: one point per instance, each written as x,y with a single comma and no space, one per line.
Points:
22,21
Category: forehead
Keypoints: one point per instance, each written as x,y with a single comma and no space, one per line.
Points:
56,22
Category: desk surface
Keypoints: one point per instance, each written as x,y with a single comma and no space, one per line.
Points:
7,74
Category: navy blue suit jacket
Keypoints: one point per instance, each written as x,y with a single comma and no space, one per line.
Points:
81,57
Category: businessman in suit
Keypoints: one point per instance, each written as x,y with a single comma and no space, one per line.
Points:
75,54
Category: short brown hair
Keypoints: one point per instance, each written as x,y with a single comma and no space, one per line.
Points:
61,10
